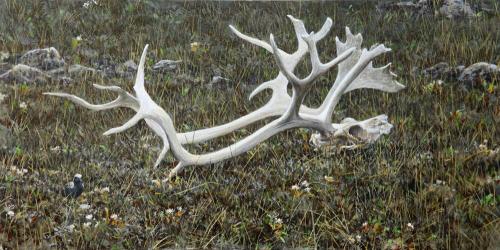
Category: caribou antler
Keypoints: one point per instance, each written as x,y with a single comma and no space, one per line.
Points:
355,71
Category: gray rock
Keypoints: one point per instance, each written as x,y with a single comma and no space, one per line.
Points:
7,140
59,72
442,71
455,9
478,72
166,65
88,53
130,66
218,79
77,70
185,79
25,74
420,7
45,59
127,69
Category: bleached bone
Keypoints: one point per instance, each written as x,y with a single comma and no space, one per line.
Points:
351,134
355,71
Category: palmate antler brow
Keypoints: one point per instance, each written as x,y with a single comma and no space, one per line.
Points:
355,72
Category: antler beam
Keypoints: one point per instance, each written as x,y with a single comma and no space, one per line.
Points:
355,71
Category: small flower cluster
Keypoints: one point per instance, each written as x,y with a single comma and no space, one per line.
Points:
277,225
23,105
90,3
103,190
483,147
19,172
172,215
301,188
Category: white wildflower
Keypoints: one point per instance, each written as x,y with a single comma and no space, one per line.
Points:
2,97
89,217
10,213
88,4
55,149
79,38
440,182
114,217
87,224
483,146
307,189
170,211
70,228
84,206
365,224
358,238
278,221
305,184
410,226
295,187
179,209
23,105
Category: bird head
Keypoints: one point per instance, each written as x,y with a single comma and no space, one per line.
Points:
77,179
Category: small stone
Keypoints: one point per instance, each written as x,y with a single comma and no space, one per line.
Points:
218,79
88,53
454,9
22,73
127,69
76,70
478,72
130,66
56,72
166,65
45,59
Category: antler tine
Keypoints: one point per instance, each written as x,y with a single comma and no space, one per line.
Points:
300,30
331,101
318,68
124,99
281,63
141,94
251,40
